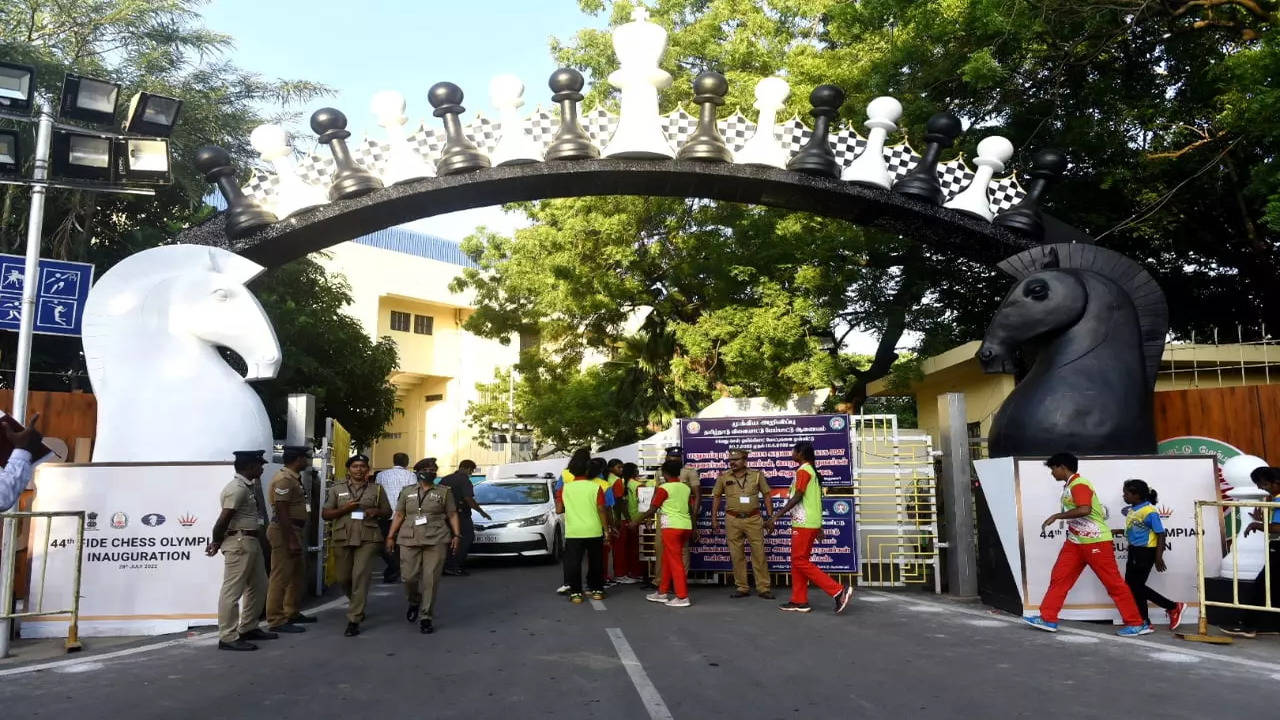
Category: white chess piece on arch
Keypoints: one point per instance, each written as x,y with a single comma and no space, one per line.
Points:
763,147
292,194
516,145
403,163
869,168
993,153
639,46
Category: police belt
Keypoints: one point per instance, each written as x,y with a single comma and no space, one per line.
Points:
742,515
246,533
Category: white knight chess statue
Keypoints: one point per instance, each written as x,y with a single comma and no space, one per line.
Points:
153,324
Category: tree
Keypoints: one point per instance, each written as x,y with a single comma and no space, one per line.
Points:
1164,108
326,352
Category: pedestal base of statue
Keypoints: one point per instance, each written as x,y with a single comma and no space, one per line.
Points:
1020,493
354,184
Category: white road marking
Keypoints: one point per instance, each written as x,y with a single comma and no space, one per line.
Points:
649,694
1078,639
1174,657
984,623
598,605
1156,647
83,667
919,607
207,638
871,598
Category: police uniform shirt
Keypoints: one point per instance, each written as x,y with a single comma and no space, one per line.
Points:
286,487
426,515
237,496
742,494
352,531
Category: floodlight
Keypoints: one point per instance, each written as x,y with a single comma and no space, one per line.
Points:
86,157
154,115
89,100
143,161
9,158
17,86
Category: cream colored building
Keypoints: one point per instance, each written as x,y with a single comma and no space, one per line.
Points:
400,289
1184,366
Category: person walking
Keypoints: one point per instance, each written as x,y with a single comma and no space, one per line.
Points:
1145,533
582,503
746,493
464,496
1088,544
354,505
393,480
806,526
244,576
675,501
289,498
424,541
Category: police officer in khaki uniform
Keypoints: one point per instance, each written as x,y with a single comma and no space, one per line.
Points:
354,505
289,500
746,495
689,477
426,526
235,533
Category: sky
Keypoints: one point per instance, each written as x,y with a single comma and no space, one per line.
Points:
360,48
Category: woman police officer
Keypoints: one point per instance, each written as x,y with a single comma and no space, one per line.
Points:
354,504
431,531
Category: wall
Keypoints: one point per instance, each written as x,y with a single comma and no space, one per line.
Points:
1246,417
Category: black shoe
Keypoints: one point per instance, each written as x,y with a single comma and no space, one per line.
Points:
453,573
425,627
412,613
237,645
301,619
288,628
464,572
390,580
766,594
353,629
259,634
739,594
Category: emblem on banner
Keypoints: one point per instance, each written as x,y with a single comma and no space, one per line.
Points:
841,507
91,521
153,520
187,520
119,521
1165,511
693,427
837,423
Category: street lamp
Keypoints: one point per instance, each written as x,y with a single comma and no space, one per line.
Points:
82,156
17,86
89,100
144,160
154,115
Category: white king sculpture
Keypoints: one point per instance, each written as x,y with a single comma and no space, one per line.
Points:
153,324
639,45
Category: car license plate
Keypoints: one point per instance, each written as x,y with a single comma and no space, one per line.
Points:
486,539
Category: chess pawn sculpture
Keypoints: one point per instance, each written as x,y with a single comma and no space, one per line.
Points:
639,46
516,146
292,194
763,147
922,182
244,214
403,163
706,143
349,179
869,168
459,155
1046,166
993,153
571,141
817,157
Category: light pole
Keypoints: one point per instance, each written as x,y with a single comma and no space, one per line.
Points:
35,229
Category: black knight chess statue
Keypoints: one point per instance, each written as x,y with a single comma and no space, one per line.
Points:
1082,331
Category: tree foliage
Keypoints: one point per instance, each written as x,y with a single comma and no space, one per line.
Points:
1166,110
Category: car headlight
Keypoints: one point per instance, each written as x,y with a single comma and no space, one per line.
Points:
529,522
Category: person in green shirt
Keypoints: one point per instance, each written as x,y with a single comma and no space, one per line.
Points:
674,500
582,502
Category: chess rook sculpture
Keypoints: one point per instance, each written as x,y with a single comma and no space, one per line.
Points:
993,153
349,179
706,143
571,141
459,155
292,194
870,168
403,163
244,215
639,46
1046,166
763,147
922,183
816,157
515,146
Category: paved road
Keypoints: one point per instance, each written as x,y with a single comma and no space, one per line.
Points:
507,647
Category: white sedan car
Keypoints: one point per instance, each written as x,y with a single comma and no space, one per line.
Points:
524,524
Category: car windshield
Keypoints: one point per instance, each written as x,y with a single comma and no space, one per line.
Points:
531,493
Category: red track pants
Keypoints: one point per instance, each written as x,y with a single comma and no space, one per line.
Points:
673,542
1072,560
803,571
626,554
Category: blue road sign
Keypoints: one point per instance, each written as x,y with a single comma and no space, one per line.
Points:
60,298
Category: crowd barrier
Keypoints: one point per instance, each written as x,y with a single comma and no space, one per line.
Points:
35,599
1269,573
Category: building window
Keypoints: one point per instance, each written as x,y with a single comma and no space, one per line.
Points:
399,321
423,324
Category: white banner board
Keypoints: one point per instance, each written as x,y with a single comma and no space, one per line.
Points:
145,571
1180,481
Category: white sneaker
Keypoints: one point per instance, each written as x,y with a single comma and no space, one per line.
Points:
678,602
624,580
562,589
657,597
